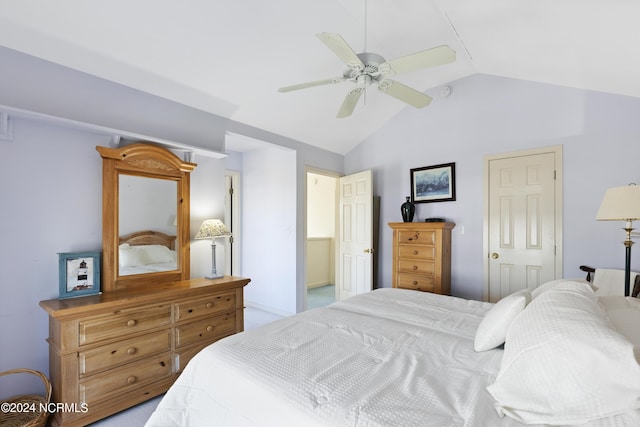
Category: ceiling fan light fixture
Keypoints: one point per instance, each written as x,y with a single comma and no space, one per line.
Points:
362,81
367,67
384,84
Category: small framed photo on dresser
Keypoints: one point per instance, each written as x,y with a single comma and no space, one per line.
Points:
79,274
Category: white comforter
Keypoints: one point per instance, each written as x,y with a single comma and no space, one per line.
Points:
387,358
148,268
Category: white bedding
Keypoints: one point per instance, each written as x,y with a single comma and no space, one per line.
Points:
139,259
148,268
387,358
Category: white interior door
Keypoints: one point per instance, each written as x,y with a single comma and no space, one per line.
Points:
524,221
355,234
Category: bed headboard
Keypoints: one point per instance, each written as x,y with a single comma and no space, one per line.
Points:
148,237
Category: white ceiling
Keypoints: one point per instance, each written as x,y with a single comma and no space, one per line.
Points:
229,57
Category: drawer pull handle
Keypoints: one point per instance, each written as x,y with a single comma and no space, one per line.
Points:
209,305
209,328
415,283
132,379
131,350
131,323
415,267
415,252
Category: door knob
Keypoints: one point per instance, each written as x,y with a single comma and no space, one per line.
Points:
495,255
368,251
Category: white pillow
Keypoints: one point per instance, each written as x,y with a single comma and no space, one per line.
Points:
156,254
611,281
128,256
564,363
493,329
555,283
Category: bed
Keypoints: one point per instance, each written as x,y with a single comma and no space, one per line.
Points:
146,251
559,355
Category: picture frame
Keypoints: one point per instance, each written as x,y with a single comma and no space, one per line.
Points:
435,183
79,273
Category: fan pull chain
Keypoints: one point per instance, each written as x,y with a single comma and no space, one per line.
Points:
365,26
364,95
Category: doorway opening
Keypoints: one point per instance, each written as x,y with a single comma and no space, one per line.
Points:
320,239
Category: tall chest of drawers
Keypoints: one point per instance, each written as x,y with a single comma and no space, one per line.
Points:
111,351
422,256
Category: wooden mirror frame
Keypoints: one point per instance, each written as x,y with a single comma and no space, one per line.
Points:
151,161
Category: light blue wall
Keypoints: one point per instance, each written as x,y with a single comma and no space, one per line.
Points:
269,228
35,85
485,115
50,201
305,155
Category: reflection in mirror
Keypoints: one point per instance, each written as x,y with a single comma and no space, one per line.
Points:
147,225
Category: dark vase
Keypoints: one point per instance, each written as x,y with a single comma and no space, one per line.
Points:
408,209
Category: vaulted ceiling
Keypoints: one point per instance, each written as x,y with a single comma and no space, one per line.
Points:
229,57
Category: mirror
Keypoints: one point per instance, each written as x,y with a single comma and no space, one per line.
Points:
145,224
147,208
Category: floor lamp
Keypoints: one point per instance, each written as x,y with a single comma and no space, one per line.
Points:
622,204
211,229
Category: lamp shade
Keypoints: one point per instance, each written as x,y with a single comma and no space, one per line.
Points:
211,228
620,204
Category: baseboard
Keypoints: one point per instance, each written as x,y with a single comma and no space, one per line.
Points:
318,284
267,308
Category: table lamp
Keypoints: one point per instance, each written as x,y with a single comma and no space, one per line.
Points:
211,229
622,204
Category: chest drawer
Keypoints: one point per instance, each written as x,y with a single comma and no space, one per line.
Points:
416,266
126,378
416,237
417,251
205,306
185,354
417,283
121,352
96,329
206,329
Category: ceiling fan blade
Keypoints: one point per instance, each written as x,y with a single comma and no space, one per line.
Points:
311,84
415,61
349,103
342,50
404,93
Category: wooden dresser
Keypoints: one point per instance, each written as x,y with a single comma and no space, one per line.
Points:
115,350
422,256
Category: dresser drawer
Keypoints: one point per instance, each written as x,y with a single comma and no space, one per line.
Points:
121,380
418,283
417,251
121,352
96,329
206,330
185,354
416,237
205,306
416,266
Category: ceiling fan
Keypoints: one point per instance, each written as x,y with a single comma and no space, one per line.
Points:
365,68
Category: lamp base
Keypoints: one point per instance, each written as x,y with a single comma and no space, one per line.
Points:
213,276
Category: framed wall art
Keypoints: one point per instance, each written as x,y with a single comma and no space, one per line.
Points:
79,274
433,183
